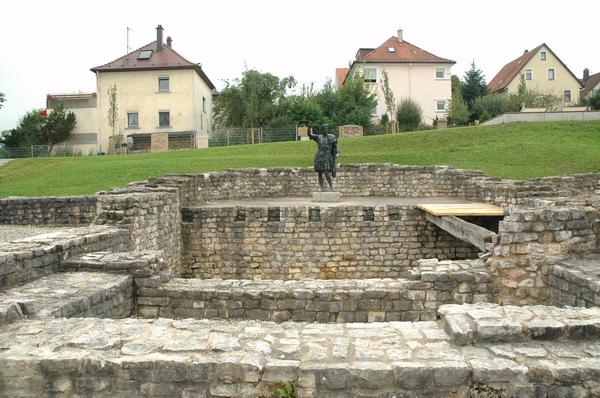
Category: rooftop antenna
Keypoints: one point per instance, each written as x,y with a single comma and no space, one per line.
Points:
128,48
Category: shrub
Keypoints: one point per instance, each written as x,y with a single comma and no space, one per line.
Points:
384,119
593,101
458,112
409,115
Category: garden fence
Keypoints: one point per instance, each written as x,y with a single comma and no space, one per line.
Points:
240,136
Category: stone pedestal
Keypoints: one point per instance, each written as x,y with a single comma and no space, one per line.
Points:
326,197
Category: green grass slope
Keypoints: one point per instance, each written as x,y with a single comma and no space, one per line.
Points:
520,151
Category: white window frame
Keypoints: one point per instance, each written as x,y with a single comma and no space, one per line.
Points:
375,110
137,126
435,70
435,105
376,74
553,73
530,74
168,84
570,96
543,56
164,111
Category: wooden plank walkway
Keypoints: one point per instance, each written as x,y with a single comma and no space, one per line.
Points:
462,209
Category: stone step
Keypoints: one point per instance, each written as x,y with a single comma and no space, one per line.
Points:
307,300
493,323
78,294
576,282
202,358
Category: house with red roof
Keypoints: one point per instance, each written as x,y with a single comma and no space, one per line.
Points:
412,73
591,84
544,73
164,101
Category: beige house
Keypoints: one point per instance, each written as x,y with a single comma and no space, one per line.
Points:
412,72
544,73
164,101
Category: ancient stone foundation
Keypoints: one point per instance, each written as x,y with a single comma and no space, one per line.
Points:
229,284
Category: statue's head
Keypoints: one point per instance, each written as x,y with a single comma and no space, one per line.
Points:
324,129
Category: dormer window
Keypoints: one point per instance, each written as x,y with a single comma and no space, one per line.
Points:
392,50
145,54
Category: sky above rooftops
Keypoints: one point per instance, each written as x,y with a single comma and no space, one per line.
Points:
50,47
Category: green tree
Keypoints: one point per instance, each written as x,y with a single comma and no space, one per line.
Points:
388,94
409,115
252,100
57,127
458,112
455,83
473,85
113,113
36,129
355,102
2,100
522,89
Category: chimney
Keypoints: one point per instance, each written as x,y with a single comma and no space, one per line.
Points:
159,39
586,76
400,35
169,42
526,51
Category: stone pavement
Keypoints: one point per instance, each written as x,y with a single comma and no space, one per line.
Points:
200,358
82,294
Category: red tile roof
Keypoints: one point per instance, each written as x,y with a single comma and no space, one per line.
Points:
592,82
510,70
167,58
340,76
405,52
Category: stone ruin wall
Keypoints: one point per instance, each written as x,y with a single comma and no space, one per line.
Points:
342,242
151,212
152,217
69,210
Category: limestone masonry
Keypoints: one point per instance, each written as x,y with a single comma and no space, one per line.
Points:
227,284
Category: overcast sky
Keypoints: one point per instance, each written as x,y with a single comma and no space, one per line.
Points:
49,47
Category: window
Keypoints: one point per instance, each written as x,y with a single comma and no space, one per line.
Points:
440,105
132,120
163,84
440,73
374,111
145,54
392,50
164,119
204,104
528,74
551,74
543,55
370,75
201,122
567,96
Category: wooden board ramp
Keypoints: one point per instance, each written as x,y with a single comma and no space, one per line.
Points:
462,209
445,216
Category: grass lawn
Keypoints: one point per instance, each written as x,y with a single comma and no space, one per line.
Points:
519,151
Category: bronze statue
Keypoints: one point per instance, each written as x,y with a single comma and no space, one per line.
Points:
327,152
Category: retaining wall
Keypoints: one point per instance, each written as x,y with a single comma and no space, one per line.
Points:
357,300
576,282
68,210
342,242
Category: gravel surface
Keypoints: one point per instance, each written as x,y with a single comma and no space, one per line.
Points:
9,233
